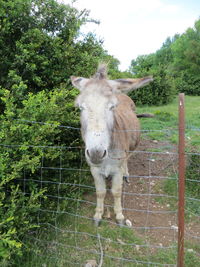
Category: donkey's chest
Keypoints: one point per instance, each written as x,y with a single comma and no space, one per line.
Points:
110,167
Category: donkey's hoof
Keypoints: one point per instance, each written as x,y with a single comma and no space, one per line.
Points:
126,179
121,222
97,222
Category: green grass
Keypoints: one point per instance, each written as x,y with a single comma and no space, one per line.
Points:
166,120
74,241
58,247
192,107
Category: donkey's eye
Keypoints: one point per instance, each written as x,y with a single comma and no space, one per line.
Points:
82,106
111,106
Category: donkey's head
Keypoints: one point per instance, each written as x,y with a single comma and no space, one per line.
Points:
97,101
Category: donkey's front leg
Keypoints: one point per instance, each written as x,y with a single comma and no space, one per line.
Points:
100,185
117,193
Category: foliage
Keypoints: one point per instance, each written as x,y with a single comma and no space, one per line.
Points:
32,34
40,47
41,44
186,61
157,92
175,68
25,147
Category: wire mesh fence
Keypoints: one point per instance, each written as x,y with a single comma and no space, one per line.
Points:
67,236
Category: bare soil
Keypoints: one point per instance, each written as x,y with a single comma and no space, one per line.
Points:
151,211
154,211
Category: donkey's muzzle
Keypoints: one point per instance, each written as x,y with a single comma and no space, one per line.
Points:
96,156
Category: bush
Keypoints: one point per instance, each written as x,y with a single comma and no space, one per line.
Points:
158,92
188,84
27,147
40,48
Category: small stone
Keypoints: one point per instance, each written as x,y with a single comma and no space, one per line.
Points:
137,247
128,223
120,241
91,263
175,227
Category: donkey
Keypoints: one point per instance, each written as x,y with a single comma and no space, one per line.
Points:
110,129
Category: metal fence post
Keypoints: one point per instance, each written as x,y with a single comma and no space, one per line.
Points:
181,183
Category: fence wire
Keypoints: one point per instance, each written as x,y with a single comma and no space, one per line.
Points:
69,238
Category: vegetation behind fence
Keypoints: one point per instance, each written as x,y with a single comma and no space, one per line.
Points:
41,46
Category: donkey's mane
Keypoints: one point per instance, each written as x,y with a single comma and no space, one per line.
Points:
101,72
125,133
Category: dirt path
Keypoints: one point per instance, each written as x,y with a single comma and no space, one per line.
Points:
152,212
150,207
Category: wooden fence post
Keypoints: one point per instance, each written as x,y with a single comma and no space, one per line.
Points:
181,183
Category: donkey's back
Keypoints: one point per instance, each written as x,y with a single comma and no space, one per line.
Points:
126,130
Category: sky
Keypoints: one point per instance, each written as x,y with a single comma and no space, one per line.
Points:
131,28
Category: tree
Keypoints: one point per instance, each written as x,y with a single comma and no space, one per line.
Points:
186,63
39,43
156,64
176,65
40,48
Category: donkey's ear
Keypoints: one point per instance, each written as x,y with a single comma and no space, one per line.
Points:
79,82
127,85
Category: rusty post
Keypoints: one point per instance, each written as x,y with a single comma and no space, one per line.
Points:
181,184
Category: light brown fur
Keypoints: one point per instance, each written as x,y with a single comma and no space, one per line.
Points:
126,130
114,131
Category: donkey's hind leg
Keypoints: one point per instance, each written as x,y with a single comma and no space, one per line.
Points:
125,173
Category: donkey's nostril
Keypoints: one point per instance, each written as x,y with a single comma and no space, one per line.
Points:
87,151
104,154
95,156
